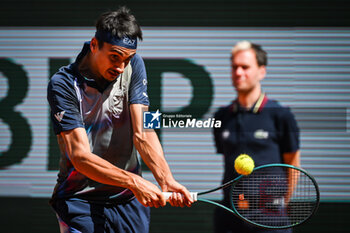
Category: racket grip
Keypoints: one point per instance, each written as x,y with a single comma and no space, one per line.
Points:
168,194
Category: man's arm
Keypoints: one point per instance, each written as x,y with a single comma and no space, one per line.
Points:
148,145
292,158
100,170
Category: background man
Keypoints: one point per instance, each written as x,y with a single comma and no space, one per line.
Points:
254,125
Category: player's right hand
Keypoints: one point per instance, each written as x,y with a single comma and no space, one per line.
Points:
148,194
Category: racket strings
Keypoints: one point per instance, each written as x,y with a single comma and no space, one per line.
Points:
275,197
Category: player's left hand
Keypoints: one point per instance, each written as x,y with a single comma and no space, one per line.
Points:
180,197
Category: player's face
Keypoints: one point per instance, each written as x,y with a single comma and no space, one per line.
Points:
110,60
246,73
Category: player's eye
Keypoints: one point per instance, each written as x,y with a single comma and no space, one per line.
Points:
114,57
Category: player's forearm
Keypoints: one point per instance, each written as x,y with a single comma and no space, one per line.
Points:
102,171
148,145
76,144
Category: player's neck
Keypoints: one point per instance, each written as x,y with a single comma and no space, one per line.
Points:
248,99
87,69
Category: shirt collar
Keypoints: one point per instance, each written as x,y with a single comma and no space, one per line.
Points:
256,108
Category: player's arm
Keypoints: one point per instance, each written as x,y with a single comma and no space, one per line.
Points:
150,149
100,170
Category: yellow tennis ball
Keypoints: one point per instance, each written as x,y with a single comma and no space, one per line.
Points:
244,164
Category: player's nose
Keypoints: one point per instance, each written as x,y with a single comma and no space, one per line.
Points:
120,68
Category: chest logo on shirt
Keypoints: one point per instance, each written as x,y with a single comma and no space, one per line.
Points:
261,134
59,116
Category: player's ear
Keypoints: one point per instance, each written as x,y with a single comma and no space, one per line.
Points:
94,45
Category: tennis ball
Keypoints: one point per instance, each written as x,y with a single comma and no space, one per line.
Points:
244,164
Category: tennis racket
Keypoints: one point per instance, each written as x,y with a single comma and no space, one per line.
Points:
273,196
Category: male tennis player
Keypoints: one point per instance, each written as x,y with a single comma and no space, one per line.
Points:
97,106
254,125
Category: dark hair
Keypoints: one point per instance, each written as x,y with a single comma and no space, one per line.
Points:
119,23
261,55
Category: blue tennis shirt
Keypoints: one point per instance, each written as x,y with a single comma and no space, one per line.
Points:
76,102
264,132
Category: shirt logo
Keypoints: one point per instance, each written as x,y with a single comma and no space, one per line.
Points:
261,134
59,116
151,120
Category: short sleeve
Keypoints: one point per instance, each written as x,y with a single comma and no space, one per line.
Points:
64,104
138,85
289,132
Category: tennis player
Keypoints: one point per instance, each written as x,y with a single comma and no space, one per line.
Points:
255,125
97,106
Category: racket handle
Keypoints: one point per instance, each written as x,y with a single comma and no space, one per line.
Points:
168,194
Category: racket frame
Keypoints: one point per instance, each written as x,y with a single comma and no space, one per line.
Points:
235,211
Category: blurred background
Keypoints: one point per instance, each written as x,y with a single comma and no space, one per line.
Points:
186,49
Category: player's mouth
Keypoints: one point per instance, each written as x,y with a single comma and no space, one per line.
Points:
113,73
